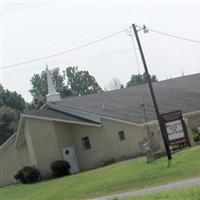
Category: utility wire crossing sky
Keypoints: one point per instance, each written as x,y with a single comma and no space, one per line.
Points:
94,42
66,34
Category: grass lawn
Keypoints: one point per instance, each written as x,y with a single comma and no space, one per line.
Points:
123,176
184,194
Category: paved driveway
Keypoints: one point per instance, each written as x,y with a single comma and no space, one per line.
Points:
177,185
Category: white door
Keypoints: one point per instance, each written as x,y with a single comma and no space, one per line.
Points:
70,156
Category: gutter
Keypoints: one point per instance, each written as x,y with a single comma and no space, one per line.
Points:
60,120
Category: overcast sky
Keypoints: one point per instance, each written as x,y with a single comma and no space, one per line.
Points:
32,30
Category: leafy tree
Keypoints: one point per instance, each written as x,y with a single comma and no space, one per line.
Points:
11,106
38,102
140,79
66,92
39,83
1,96
8,122
39,88
11,99
82,82
78,83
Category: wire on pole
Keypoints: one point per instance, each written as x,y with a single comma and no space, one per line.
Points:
65,51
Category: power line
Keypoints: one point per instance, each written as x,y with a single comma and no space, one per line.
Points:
65,51
100,55
94,42
88,58
24,69
174,36
129,33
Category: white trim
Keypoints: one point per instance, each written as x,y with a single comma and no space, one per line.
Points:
18,130
7,143
154,122
122,121
190,114
48,119
60,120
43,106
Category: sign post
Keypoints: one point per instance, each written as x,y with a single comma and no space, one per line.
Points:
175,128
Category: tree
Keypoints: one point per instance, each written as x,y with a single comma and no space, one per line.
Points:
8,122
1,96
39,88
140,79
114,84
39,83
38,102
11,99
82,82
78,83
11,106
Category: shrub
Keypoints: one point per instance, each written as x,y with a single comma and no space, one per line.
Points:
60,168
196,134
28,175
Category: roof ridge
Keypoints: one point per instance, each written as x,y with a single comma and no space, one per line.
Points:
128,88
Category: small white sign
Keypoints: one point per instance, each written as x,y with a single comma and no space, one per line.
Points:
174,130
199,129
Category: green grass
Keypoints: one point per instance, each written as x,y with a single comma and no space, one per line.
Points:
123,176
183,194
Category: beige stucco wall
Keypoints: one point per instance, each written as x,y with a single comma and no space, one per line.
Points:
44,141
192,122
43,144
104,140
64,134
11,160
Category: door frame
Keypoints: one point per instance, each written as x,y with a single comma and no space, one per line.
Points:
74,159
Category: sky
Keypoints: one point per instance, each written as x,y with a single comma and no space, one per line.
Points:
34,29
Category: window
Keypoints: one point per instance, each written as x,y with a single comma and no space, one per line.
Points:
121,135
86,143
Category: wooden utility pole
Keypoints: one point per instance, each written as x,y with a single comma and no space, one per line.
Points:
162,128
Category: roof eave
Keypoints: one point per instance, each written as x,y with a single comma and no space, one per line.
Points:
61,120
90,116
19,131
7,142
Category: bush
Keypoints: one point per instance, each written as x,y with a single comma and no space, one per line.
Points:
196,134
28,175
60,168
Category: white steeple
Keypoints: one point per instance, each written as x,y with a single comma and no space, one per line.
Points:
52,95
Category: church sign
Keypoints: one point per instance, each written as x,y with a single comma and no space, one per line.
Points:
175,127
